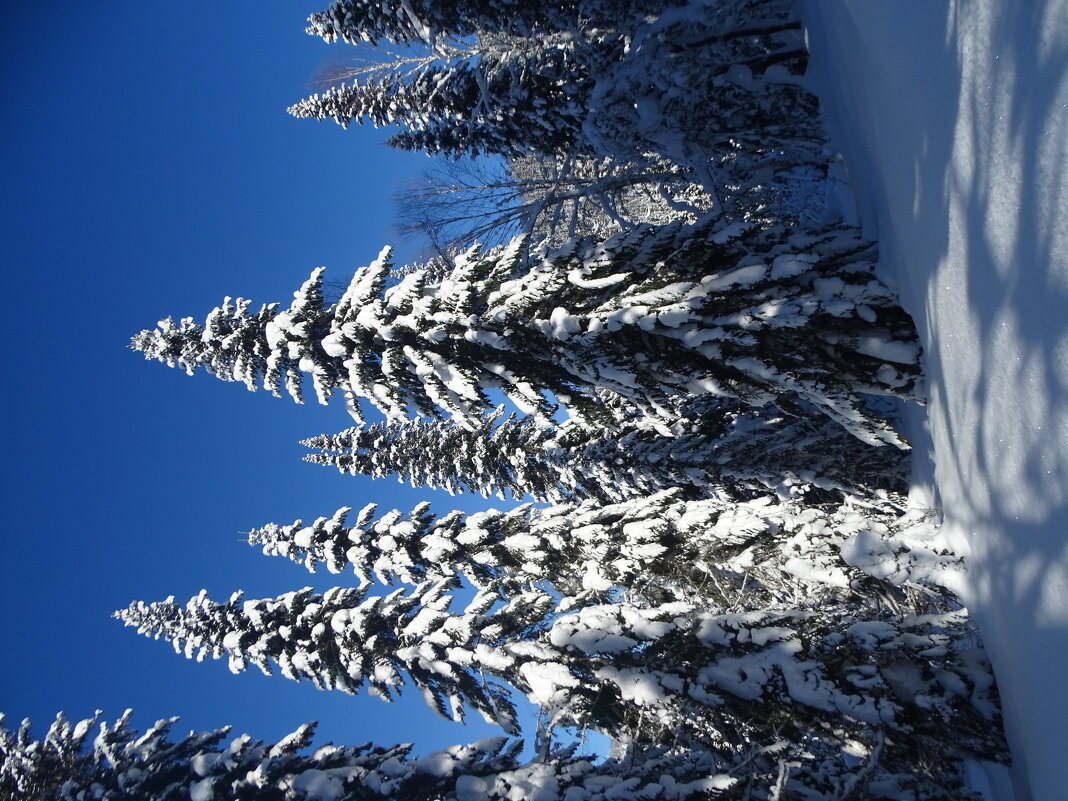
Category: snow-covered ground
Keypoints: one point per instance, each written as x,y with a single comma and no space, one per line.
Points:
952,118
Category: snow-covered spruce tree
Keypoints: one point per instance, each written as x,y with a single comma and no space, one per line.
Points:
422,22
898,703
915,693
726,450
656,548
494,100
513,98
617,80
605,661
121,763
344,639
510,458
651,318
719,58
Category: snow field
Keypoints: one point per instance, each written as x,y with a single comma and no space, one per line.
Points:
953,119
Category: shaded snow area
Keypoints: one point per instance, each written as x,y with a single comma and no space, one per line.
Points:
952,119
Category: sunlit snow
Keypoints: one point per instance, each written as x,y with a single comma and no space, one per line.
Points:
952,120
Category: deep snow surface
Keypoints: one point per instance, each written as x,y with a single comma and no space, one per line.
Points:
953,121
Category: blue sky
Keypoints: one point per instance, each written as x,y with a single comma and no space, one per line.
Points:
150,169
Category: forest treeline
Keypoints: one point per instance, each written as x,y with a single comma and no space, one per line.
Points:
644,322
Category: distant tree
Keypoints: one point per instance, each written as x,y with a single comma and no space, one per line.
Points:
510,97
736,61
597,197
591,80
649,318
656,548
428,23
123,764
550,199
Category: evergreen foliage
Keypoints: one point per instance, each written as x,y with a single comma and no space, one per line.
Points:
734,60
724,450
657,548
727,582
344,639
123,764
510,458
604,79
426,22
633,672
651,317
500,104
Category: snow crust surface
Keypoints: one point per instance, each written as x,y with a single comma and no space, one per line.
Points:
953,122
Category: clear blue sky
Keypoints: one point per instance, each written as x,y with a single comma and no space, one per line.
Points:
149,170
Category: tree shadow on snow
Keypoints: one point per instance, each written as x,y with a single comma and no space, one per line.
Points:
953,124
